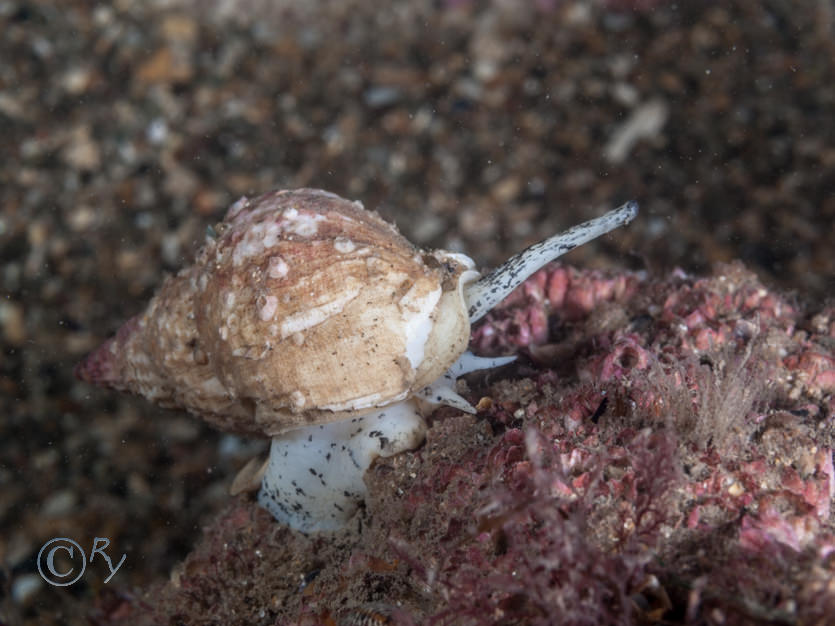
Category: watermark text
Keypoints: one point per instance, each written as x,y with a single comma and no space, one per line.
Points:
62,561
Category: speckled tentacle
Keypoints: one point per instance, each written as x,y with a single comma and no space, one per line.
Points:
442,390
469,362
487,292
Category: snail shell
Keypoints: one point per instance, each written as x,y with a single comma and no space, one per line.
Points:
302,309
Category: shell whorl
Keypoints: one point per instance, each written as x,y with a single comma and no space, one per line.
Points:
302,309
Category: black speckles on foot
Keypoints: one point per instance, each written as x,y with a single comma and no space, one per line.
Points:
322,483
318,475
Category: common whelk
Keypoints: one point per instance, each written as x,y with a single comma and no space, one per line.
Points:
310,320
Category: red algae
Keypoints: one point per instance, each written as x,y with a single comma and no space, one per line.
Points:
662,450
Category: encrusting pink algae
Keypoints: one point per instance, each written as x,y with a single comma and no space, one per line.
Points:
660,453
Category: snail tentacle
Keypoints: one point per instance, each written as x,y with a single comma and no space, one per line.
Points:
485,293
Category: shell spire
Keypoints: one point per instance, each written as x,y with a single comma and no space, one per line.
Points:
156,355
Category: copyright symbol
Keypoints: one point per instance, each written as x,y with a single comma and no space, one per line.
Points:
56,562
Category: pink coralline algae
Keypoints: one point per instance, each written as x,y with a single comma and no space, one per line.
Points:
661,452
736,373
555,292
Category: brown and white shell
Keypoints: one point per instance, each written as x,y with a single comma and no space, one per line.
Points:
303,308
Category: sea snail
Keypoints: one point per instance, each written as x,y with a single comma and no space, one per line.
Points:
310,320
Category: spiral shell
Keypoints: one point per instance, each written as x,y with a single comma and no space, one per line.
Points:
302,308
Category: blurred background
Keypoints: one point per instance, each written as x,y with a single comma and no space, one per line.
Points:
126,128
